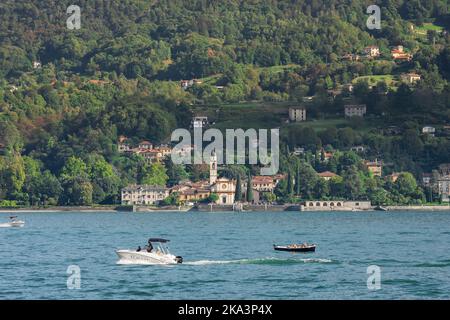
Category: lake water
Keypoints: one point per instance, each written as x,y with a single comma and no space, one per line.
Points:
229,255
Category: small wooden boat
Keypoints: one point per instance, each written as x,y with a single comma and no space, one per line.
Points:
296,248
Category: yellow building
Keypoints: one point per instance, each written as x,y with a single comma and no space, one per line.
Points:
375,167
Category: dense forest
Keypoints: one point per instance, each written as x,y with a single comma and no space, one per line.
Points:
67,95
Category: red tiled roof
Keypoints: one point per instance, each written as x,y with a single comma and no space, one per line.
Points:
262,179
327,174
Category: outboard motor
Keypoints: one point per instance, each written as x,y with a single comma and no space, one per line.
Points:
179,259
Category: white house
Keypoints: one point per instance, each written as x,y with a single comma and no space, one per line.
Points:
143,195
355,110
429,131
199,122
411,78
297,114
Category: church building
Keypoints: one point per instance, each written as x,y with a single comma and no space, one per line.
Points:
223,187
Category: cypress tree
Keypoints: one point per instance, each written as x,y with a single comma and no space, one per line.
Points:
290,185
297,182
238,192
249,189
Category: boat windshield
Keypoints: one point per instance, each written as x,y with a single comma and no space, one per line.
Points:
161,248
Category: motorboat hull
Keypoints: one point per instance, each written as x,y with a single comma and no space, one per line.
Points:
295,249
149,258
13,224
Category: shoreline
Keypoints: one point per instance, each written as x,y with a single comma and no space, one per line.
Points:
273,208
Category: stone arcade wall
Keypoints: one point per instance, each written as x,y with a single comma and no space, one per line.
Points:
335,205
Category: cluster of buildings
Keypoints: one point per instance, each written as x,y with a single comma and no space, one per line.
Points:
150,152
298,114
185,84
398,53
187,191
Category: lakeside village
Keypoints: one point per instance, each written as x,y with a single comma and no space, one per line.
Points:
260,192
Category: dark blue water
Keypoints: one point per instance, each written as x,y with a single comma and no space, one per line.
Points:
229,256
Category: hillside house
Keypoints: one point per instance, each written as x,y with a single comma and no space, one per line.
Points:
145,145
355,110
443,184
327,175
393,177
426,179
199,122
298,151
372,51
398,53
375,167
297,114
431,131
358,149
410,78
123,145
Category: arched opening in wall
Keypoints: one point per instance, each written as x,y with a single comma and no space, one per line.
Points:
325,204
332,204
317,204
311,204
339,204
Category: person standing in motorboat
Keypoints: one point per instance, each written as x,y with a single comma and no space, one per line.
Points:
149,247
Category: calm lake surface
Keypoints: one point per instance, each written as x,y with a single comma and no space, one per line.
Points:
229,255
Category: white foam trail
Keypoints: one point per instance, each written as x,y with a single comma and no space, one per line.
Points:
256,261
207,262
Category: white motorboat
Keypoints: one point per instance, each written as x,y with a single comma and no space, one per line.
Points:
149,255
13,223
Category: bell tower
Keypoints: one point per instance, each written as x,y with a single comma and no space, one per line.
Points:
213,169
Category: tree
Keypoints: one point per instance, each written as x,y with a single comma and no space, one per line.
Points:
379,197
290,184
238,193
249,189
268,197
105,181
213,198
12,174
406,184
175,172
154,174
81,192
74,168
297,182
353,184
308,177
172,200
322,189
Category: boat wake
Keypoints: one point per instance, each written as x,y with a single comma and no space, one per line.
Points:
264,261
